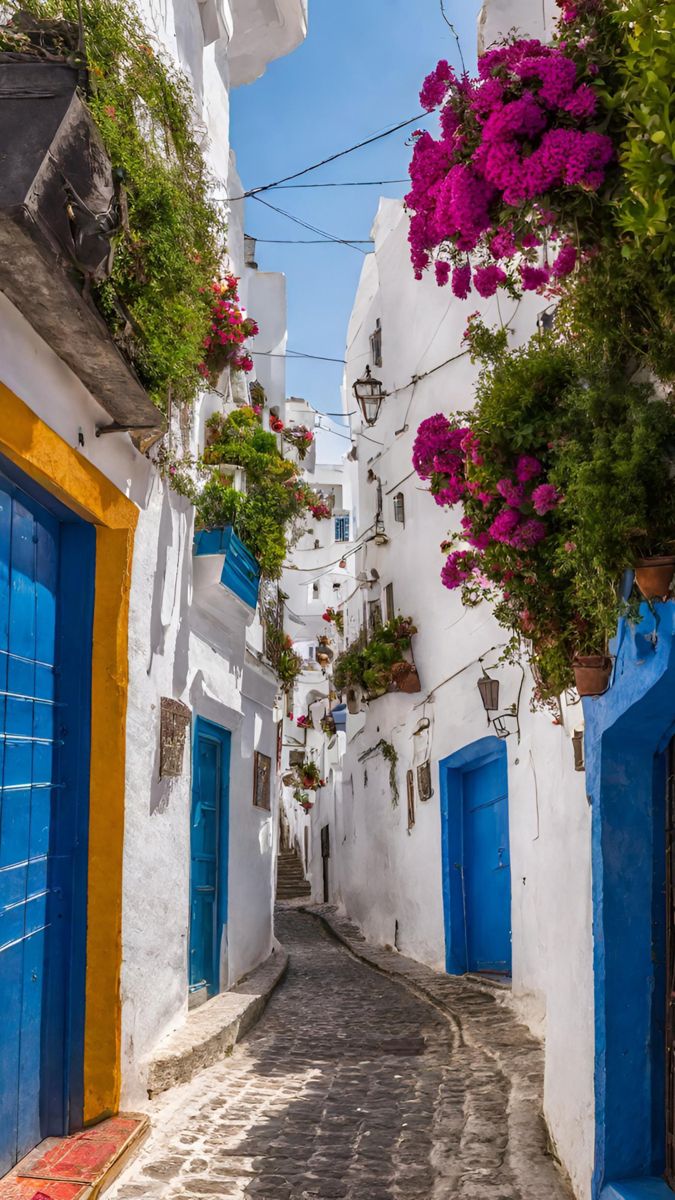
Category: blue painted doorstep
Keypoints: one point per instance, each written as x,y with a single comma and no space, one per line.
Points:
637,1189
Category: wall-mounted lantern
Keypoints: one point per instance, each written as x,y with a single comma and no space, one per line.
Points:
489,692
369,394
578,748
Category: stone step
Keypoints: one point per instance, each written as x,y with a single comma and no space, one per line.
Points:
210,1031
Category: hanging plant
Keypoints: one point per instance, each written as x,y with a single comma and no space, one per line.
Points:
335,616
172,239
229,329
300,437
303,800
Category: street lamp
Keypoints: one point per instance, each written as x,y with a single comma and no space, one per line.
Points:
489,693
369,395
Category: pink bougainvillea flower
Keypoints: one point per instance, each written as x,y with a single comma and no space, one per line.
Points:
461,281
527,468
533,278
565,262
442,271
545,497
513,493
486,280
505,525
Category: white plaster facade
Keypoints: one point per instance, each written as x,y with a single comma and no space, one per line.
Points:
181,644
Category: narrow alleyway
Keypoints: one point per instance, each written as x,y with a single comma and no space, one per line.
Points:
349,1087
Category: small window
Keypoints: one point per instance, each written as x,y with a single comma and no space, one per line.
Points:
389,609
342,529
262,778
399,508
315,589
374,615
376,344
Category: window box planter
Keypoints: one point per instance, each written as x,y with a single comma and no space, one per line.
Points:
51,247
241,572
654,576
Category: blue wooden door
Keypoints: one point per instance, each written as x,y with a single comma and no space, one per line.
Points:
36,823
209,855
486,868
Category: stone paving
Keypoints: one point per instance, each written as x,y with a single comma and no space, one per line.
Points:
353,1087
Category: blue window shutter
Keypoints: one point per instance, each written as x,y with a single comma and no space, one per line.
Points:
342,529
241,572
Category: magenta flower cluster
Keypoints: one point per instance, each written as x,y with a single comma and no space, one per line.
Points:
510,512
513,142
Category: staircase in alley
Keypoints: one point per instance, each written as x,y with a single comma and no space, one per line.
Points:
291,882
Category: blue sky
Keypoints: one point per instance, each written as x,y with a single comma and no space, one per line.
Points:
358,72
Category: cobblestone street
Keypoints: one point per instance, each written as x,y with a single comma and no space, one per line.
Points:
351,1086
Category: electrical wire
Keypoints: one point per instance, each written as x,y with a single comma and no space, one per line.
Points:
306,225
293,354
331,158
283,187
454,33
312,241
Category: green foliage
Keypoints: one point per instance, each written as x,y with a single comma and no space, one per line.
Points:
263,516
606,444
646,71
390,756
367,664
157,301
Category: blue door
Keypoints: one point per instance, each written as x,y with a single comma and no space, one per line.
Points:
209,854
487,875
475,859
44,722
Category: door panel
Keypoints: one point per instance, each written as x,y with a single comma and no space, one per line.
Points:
209,840
30,938
486,869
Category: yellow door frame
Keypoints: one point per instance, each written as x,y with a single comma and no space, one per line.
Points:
46,458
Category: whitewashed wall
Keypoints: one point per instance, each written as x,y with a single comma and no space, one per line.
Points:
389,879
177,646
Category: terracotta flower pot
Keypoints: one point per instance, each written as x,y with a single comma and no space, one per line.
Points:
592,673
404,678
654,576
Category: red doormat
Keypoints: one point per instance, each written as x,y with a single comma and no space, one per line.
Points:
67,1168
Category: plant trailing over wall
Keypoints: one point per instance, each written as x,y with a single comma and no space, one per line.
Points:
286,662
562,471
307,776
335,616
372,665
300,437
156,302
553,153
390,756
268,515
303,800
518,161
229,329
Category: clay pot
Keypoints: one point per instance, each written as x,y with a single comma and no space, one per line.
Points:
353,701
404,678
654,576
592,673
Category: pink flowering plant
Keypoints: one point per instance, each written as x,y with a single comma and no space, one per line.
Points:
559,477
300,438
521,162
229,329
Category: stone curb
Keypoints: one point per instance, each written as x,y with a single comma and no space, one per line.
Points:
211,1031
483,1020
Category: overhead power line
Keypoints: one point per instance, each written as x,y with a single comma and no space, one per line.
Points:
313,241
296,354
266,187
306,225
